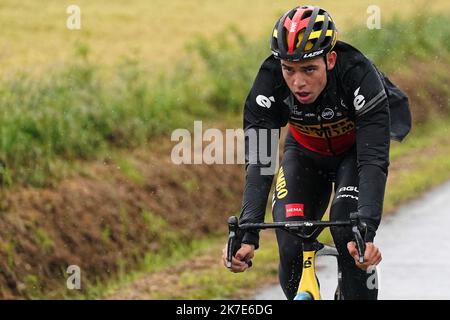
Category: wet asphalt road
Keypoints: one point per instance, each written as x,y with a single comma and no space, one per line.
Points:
415,244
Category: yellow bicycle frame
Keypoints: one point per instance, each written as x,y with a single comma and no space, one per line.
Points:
308,282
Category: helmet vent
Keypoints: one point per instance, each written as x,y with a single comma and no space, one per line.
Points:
306,14
318,26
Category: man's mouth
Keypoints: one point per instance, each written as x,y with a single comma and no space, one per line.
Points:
303,96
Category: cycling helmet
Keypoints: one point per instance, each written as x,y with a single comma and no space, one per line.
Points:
302,33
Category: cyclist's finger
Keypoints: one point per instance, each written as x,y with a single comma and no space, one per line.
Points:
239,267
351,246
239,262
378,259
234,262
373,254
244,253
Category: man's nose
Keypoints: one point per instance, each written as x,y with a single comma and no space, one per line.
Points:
299,81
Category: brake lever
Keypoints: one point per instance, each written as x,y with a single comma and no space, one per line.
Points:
234,241
359,230
233,226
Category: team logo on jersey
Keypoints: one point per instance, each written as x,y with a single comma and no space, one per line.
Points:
264,102
327,113
333,129
359,100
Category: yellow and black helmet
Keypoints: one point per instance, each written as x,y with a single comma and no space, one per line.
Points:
302,33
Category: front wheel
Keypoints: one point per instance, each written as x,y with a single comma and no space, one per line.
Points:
338,294
304,296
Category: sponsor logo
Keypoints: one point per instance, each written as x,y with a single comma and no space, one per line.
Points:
349,188
308,263
327,113
359,100
280,187
293,27
310,115
294,210
264,102
333,129
347,196
312,54
296,112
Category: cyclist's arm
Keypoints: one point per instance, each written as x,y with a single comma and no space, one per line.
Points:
372,141
262,118
256,191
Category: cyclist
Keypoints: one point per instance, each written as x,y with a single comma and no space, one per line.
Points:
342,113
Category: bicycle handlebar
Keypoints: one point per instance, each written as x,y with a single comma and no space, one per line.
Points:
359,229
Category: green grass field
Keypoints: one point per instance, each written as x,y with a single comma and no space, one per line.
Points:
65,109
35,36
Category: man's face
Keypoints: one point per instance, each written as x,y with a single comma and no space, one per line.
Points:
307,78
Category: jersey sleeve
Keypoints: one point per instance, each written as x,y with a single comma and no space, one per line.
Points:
371,110
264,115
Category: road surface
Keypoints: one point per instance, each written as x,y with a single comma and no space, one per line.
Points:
415,244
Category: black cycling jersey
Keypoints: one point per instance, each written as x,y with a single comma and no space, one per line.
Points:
358,107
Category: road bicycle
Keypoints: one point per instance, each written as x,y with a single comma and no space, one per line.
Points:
307,231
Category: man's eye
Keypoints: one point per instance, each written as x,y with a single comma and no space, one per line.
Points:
310,70
289,71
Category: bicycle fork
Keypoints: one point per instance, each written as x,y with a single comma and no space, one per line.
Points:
308,288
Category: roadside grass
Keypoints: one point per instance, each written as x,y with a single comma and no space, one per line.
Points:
173,255
421,37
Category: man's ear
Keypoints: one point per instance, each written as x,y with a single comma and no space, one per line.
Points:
331,59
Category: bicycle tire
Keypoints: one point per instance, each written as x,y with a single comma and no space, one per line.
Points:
338,294
304,296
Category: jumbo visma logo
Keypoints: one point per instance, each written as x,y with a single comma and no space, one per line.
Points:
280,187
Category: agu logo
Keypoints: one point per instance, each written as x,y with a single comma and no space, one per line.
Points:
294,210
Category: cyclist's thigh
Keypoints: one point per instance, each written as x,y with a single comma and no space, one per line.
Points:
302,191
346,188
345,200
354,280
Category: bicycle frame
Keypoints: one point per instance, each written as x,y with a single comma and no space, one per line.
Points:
308,287
308,282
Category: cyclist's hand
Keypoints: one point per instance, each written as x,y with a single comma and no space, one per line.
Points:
239,264
372,256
